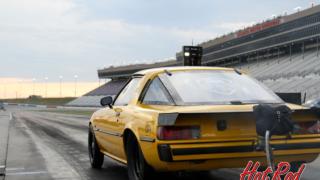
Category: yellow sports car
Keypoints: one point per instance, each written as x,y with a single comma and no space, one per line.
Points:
193,119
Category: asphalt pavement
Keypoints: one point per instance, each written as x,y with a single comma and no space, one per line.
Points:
46,145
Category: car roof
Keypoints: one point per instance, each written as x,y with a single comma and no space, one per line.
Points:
180,68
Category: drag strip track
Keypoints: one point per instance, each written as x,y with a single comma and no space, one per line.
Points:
69,149
61,141
56,136
79,123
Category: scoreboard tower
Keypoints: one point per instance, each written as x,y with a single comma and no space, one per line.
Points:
192,55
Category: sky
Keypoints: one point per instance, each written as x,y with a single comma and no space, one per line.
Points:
52,38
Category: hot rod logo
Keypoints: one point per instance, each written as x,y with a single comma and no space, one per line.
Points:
282,172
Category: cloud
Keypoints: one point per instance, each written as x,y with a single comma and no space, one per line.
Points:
13,80
233,26
59,37
22,88
191,34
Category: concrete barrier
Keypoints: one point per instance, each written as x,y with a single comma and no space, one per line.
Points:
51,106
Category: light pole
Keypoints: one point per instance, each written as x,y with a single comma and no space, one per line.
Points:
75,85
46,86
60,81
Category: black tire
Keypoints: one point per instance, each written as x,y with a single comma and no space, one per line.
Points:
138,169
95,155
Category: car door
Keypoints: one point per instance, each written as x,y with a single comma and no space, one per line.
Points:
103,125
112,126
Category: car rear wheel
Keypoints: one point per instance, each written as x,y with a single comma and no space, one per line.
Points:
138,169
95,155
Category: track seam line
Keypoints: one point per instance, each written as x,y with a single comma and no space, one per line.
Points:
7,148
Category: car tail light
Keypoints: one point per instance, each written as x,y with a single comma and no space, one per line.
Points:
311,127
178,132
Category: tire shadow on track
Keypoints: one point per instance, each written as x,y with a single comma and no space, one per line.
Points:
76,154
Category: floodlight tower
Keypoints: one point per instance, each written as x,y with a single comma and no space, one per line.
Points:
60,84
46,86
75,85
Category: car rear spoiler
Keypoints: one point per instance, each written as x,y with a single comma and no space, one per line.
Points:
169,119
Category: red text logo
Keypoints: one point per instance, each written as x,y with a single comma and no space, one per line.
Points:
282,172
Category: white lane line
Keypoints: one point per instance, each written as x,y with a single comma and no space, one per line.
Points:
26,173
11,116
15,169
58,167
2,170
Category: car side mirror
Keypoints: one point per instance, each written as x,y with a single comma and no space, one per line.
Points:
106,101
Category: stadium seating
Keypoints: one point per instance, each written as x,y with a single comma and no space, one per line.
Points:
88,101
298,73
92,99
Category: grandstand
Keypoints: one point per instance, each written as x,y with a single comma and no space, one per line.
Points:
92,99
289,74
282,52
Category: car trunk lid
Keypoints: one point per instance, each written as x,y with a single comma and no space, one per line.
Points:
234,122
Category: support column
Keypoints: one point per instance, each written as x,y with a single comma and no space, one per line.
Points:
317,46
290,51
278,54
303,50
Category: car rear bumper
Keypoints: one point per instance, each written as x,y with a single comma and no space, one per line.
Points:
185,152
206,155
210,164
